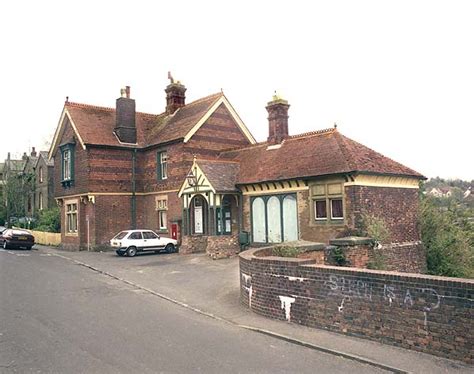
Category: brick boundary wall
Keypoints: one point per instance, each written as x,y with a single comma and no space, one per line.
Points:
419,312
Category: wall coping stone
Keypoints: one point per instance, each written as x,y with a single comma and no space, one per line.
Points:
250,255
351,241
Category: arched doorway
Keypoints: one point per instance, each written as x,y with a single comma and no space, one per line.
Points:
199,215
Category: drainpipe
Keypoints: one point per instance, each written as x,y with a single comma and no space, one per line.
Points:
134,188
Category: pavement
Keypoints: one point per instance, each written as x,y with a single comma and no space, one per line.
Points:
212,288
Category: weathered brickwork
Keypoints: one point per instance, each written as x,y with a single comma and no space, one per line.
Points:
398,207
81,167
407,257
424,313
357,256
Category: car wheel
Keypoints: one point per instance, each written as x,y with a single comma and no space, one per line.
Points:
5,246
131,251
169,248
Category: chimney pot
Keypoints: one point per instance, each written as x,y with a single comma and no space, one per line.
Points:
33,152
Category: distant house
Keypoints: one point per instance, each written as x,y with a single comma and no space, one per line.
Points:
29,179
44,182
440,192
196,173
467,193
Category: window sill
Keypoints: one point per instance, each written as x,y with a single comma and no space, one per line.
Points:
67,183
328,222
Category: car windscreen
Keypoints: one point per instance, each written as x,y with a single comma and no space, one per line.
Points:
20,232
121,235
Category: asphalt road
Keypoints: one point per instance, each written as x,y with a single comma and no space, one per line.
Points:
58,317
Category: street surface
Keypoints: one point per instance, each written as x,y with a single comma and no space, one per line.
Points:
59,317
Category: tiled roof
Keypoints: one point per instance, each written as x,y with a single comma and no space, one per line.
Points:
313,154
44,155
182,121
30,161
222,175
95,124
17,165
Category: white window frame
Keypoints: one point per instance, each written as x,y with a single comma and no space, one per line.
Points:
71,217
330,207
162,208
164,164
66,164
315,210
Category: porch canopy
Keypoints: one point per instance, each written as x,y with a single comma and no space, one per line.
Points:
211,201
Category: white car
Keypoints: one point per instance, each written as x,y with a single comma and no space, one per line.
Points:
132,241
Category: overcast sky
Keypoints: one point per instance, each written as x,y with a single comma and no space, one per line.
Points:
397,76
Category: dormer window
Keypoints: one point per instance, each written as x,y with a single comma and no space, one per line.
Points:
67,165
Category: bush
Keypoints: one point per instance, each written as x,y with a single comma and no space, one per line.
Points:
49,220
375,228
338,256
448,241
286,251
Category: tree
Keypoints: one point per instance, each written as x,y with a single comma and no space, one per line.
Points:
448,238
17,188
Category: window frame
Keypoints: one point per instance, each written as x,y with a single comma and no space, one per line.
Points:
315,201
162,209
67,171
328,191
162,165
40,202
40,172
71,218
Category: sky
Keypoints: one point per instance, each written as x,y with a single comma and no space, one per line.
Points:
396,76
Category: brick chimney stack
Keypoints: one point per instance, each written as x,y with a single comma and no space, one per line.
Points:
277,119
33,152
125,126
175,95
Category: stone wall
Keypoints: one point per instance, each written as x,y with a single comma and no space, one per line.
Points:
222,246
193,244
216,247
420,312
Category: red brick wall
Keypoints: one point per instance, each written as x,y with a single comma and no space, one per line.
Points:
419,312
398,207
218,133
110,170
81,167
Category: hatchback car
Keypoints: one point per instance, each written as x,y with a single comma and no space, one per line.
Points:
131,242
17,238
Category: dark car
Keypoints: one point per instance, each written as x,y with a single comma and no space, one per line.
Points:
17,238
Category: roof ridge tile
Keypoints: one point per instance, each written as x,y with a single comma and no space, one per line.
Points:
313,133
